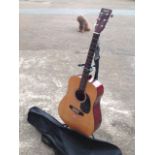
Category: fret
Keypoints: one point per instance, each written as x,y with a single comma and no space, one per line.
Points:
100,25
88,62
95,37
93,42
92,47
90,57
91,52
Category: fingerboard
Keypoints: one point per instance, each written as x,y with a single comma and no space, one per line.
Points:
100,25
85,73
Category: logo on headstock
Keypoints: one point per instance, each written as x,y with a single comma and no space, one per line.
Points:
102,20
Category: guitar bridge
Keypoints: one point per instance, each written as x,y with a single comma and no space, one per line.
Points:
76,110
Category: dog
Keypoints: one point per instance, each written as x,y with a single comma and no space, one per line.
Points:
83,24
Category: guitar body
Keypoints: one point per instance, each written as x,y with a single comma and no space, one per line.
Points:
83,115
80,107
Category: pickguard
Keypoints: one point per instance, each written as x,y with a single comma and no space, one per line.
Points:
84,106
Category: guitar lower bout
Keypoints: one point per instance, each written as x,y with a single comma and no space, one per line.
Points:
82,113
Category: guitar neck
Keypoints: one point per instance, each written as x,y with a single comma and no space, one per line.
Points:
88,62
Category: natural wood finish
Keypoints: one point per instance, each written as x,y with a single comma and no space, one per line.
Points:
84,124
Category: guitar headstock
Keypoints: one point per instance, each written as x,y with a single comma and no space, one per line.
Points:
102,20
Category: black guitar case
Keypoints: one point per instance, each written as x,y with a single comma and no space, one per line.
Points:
65,141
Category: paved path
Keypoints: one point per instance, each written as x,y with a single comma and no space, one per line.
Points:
71,11
50,49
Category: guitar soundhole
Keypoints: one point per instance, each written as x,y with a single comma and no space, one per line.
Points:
80,95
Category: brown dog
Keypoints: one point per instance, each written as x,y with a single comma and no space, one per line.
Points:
83,24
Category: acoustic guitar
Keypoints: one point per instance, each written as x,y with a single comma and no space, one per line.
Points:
80,107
